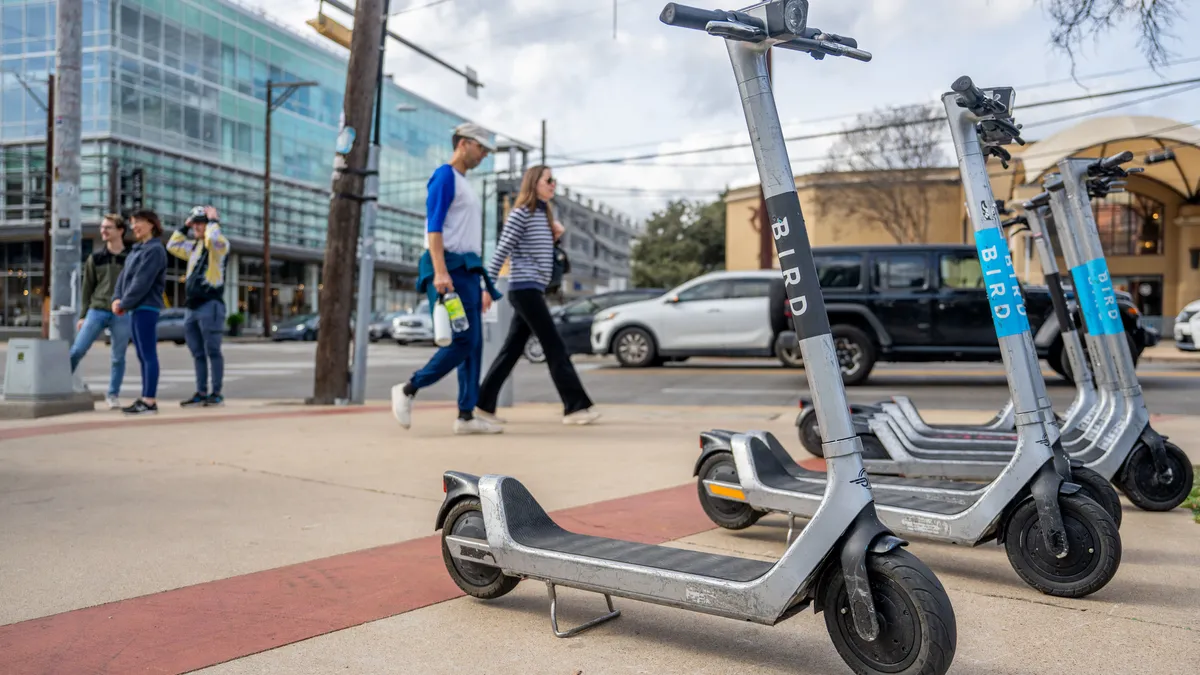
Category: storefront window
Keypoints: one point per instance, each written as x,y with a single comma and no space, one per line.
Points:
1146,292
1129,224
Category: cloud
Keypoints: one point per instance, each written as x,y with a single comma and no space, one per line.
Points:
656,88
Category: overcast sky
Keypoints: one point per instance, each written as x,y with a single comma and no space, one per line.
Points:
655,88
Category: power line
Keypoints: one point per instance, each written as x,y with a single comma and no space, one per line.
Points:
427,5
879,127
834,118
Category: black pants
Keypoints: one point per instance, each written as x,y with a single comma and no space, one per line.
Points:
533,317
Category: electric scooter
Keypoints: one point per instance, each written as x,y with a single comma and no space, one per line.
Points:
1154,473
884,609
1057,539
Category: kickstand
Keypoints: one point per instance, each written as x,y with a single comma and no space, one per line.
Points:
791,527
612,614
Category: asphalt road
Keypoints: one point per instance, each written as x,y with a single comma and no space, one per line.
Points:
285,371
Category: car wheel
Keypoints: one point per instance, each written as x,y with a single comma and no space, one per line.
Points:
790,358
855,353
634,348
1059,362
533,350
310,335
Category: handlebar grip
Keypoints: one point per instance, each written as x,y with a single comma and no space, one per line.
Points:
1110,163
964,87
675,14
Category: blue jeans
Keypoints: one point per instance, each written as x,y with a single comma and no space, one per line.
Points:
93,324
145,341
203,328
465,352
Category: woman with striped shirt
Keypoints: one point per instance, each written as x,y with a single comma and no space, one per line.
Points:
528,239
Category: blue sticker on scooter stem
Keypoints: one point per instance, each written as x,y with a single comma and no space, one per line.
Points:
1087,301
1000,281
1107,310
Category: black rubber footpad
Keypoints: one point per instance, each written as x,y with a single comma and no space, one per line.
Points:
530,526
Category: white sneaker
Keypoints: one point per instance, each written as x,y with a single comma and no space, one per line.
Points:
476,425
402,406
114,403
581,417
485,415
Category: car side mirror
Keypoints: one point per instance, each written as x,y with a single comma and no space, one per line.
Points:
672,299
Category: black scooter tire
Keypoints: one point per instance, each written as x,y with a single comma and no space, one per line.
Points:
810,435
1093,542
1099,490
477,580
1140,482
918,632
725,513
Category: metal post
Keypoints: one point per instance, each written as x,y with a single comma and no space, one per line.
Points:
366,240
66,212
266,298
543,142
495,329
48,207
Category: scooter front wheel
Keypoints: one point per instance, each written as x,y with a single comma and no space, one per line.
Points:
1099,490
1093,548
917,630
482,581
729,514
1148,491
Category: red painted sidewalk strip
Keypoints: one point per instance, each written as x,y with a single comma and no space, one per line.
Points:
206,624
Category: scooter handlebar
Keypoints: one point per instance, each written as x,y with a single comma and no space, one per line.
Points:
1110,163
675,14
973,96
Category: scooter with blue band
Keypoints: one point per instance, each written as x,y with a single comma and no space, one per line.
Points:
1154,474
885,610
1057,539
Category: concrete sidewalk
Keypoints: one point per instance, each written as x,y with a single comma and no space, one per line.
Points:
275,538
1167,352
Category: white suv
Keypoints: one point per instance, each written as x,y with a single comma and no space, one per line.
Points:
718,314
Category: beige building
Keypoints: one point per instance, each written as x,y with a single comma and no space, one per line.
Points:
1150,232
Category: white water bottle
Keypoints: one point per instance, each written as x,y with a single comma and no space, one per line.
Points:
442,333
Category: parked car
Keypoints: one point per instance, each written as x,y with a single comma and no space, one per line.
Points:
381,325
170,327
302,327
928,303
416,326
574,320
1187,327
718,314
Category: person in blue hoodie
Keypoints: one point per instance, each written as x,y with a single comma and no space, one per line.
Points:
452,262
139,293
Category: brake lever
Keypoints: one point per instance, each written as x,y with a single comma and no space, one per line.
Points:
1004,155
735,31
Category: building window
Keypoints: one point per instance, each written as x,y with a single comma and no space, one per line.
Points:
1129,224
1146,292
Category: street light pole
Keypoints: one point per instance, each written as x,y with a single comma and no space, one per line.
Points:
289,89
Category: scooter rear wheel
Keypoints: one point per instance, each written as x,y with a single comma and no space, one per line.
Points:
1099,490
1141,484
917,630
475,579
726,513
1093,548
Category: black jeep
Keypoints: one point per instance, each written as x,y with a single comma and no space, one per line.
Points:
928,303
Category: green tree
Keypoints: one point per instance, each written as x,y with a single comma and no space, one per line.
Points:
681,242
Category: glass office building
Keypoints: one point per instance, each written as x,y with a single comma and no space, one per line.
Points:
174,101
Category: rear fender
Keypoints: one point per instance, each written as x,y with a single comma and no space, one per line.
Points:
712,442
457,486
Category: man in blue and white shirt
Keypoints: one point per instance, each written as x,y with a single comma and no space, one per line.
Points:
453,262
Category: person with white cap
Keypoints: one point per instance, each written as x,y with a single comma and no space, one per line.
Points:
453,262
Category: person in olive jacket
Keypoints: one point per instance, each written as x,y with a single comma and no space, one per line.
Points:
139,293
100,274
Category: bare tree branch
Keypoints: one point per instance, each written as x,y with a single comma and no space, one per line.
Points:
1079,20
884,162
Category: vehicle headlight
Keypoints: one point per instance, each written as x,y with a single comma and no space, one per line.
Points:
1184,316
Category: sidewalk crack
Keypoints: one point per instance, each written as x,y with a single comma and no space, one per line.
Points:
1109,614
326,482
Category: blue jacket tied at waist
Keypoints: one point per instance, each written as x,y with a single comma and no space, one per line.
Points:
454,261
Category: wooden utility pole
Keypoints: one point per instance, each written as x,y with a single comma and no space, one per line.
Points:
341,244
766,242
47,243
